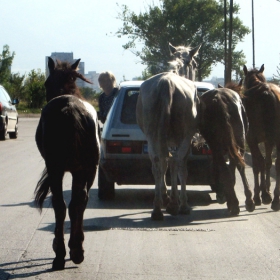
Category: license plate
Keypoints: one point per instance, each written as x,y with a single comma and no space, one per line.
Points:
145,148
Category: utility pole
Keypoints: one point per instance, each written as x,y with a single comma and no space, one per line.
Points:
225,44
230,42
228,35
253,33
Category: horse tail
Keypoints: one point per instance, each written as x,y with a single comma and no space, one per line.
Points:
164,102
215,126
42,189
228,133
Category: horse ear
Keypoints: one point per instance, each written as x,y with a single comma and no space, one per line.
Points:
75,65
240,82
245,70
195,50
171,48
220,86
262,69
51,64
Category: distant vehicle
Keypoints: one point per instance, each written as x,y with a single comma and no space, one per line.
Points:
124,148
8,115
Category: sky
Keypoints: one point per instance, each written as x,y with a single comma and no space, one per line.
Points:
33,29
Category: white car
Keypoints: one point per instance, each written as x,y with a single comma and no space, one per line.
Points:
124,149
8,115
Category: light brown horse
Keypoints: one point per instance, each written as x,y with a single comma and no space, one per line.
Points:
262,104
167,114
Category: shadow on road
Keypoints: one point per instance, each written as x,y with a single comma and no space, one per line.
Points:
9,271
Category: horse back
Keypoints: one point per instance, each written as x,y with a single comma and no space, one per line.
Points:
167,109
67,132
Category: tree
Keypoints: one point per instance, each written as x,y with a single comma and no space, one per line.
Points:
6,59
35,89
276,77
89,94
15,86
181,22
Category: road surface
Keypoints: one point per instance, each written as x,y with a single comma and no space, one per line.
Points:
121,241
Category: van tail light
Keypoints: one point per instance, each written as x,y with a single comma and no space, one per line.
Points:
124,147
204,150
1,107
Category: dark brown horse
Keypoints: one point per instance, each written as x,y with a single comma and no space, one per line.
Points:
223,125
67,138
262,104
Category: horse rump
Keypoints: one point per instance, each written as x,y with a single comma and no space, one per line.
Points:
215,125
67,138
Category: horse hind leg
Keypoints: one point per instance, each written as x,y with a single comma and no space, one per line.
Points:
159,167
266,195
275,205
258,168
184,209
172,207
227,180
59,207
249,202
79,199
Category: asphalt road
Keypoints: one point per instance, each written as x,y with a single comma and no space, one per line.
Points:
121,241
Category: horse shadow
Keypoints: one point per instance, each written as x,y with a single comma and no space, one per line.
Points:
23,268
142,199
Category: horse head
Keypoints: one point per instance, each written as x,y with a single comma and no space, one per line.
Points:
186,56
253,76
62,79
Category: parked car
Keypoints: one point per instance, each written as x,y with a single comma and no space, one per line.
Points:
8,115
124,148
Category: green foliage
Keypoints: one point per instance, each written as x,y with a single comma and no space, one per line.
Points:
15,86
276,77
89,94
34,89
6,59
181,22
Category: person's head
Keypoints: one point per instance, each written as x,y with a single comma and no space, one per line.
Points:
107,81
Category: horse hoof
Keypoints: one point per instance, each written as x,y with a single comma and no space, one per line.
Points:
250,205
233,209
172,209
257,200
77,256
266,198
185,210
58,264
275,206
221,199
157,216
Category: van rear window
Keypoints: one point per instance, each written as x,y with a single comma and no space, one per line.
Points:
128,115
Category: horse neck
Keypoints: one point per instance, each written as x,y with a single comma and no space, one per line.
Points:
190,73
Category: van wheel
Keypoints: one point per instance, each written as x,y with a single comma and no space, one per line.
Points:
14,135
106,189
3,132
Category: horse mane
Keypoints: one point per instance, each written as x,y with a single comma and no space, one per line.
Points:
235,87
69,75
175,65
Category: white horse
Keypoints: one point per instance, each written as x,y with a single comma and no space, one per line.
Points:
167,114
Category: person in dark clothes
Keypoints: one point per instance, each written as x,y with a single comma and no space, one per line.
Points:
107,83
